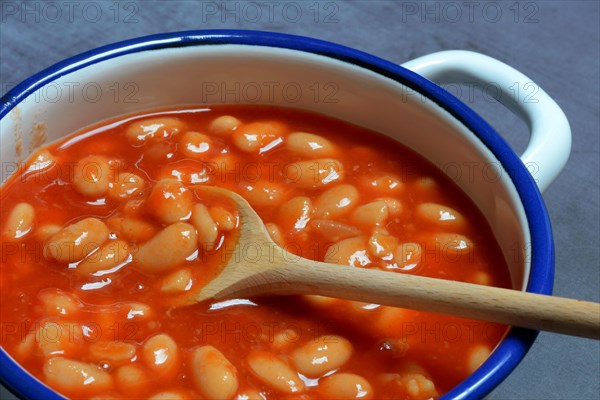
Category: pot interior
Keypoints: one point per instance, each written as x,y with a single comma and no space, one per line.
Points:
241,74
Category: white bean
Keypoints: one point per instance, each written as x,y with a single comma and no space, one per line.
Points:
440,215
382,245
171,395
170,201
263,194
387,185
333,230
153,129
214,376
76,241
275,233
310,145
114,352
370,214
57,302
225,220
453,245
178,281
131,229
131,379
194,145
316,173
92,176
161,355
168,249
224,125
125,186
322,355
206,227
70,376
342,386
109,256
408,255
295,213
336,202
20,221
274,372
477,355
259,137
352,252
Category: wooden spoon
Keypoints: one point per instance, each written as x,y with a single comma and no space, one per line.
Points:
270,270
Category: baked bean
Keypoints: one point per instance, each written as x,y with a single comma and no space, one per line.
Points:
45,231
477,355
170,201
453,244
408,255
370,214
225,220
40,161
386,185
316,173
131,379
214,376
205,226
114,352
439,214
250,394
336,202
161,355
194,145
333,230
296,213
20,221
55,302
382,244
168,249
92,176
274,372
284,338
394,206
136,311
343,386
426,183
310,145
131,229
351,251
58,338
417,386
224,125
324,354
188,172
259,137
70,376
171,395
178,281
320,301
263,194
482,278
109,256
275,233
76,241
126,185
153,129
160,152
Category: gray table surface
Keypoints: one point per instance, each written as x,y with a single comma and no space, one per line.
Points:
555,43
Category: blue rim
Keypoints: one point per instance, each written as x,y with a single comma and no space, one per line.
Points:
516,344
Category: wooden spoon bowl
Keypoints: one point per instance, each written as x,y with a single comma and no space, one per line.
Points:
273,271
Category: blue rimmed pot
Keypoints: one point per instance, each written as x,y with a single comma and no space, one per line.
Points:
239,67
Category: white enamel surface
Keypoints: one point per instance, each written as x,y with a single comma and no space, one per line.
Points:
550,141
204,75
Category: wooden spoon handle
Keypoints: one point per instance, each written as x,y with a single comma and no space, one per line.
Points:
505,306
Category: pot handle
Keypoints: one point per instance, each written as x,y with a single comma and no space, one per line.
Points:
550,141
